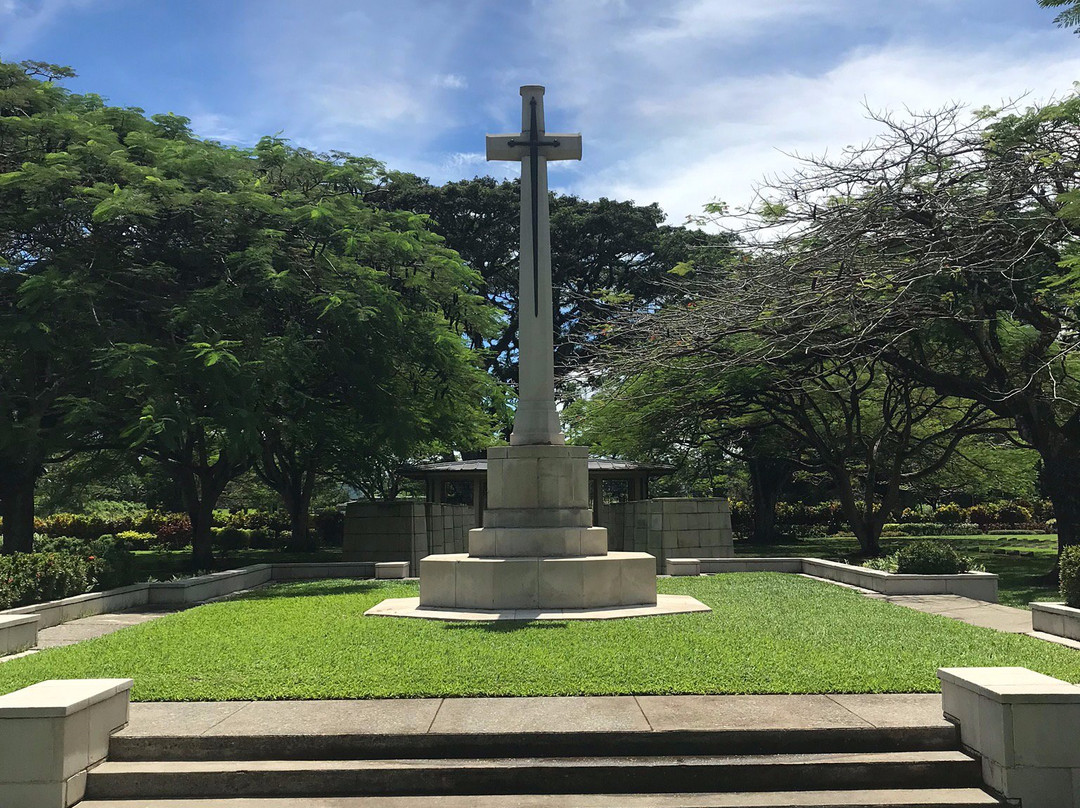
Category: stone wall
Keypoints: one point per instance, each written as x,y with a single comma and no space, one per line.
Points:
394,531
674,527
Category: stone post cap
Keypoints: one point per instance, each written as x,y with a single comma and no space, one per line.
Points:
532,89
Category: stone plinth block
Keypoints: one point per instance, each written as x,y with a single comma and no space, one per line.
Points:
684,566
460,581
531,477
1025,728
51,733
517,542
392,569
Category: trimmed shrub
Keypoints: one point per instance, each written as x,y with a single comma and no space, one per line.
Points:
1009,513
137,539
175,533
949,514
112,563
27,578
231,539
930,558
929,529
1070,576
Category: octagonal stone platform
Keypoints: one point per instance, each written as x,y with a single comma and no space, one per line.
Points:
461,581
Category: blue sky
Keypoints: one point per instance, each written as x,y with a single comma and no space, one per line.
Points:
679,102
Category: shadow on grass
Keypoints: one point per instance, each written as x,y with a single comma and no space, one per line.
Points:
504,626
304,589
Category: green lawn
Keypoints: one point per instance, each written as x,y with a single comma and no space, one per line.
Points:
768,633
1022,578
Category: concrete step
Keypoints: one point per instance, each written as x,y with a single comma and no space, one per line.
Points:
906,798
597,775
532,744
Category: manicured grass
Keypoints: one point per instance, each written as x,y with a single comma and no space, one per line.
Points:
768,633
1022,578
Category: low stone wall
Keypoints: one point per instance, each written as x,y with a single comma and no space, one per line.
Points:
1025,729
19,626
51,733
975,585
392,531
17,633
1057,619
671,527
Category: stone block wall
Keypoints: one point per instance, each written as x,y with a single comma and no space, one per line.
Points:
671,527
407,530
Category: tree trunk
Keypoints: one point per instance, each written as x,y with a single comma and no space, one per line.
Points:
200,497
1060,480
866,526
202,540
768,476
303,538
18,513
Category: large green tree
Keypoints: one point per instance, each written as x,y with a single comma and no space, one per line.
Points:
949,248
213,309
606,255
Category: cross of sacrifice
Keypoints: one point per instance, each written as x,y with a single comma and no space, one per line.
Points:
536,420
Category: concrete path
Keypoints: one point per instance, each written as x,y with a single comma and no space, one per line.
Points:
976,613
500,716
98,625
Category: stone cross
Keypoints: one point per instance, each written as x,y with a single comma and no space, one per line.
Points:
535,420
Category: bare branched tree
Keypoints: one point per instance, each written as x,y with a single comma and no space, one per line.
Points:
946,249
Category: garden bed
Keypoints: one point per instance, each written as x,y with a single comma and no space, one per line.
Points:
975,585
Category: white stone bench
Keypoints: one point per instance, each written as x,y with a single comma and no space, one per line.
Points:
683,566
51,732
17,632
1024,726
392,569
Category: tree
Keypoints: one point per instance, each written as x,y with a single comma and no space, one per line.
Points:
371,363
605,255
946,248
1069,16
58,272
871,431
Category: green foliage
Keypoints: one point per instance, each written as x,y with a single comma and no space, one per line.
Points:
1069,16
1070,576
930,558
949,514
930,529
27,578
175,533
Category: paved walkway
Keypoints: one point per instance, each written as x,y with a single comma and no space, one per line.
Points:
559,714
98,625
976,613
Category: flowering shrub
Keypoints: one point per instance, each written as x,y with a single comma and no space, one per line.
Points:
27,578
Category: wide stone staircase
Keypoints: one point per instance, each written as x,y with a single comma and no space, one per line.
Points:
870,767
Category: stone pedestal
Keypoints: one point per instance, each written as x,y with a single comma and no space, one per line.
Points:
538,548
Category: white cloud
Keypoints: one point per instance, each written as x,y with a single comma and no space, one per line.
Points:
451,81
223,128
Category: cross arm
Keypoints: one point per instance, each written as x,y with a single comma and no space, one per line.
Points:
499,147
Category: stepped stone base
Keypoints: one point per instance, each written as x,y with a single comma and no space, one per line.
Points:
410,607
462,581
